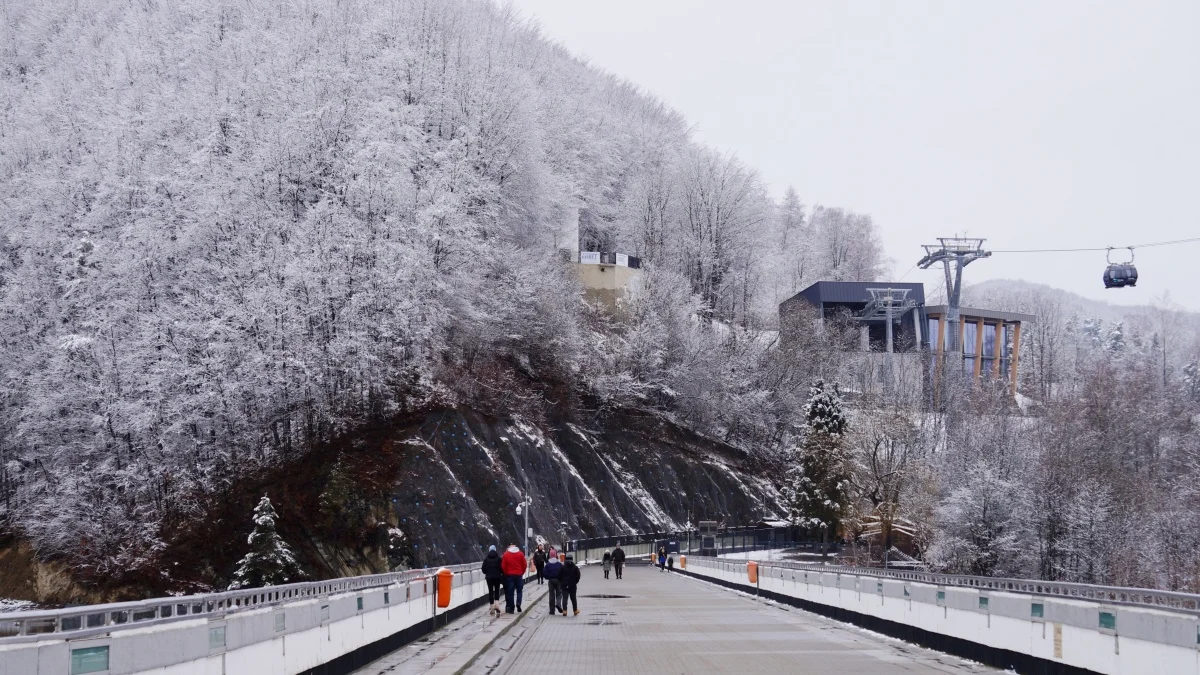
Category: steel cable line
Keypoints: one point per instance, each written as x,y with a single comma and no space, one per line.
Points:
1102,248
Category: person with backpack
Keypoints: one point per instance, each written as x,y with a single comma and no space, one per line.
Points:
569,578
495,578
539,561
606,562
514,566
618,559
662,559
553,572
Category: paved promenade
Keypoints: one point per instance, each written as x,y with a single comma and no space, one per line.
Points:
659,623
672,624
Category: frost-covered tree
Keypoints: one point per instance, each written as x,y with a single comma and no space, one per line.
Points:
1114,342
819,482
979,526
270,561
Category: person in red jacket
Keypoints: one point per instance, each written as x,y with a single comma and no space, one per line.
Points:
514,566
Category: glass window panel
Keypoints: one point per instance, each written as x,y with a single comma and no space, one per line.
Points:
932,336
89,660
970,333
983,602
1108,620
989,339
1037,610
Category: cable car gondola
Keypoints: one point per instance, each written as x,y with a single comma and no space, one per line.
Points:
1120,275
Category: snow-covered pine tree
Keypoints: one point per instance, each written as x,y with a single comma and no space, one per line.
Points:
270,560
1191,380
818,484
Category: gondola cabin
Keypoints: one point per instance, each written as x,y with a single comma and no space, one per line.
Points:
1120,276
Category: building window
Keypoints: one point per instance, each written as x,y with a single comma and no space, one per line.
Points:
989,340
932,334
970,334
1108,621
1037,610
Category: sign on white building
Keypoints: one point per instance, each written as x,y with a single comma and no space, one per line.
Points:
622,260
589,257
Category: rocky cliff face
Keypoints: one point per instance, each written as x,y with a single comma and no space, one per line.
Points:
464,474
438,489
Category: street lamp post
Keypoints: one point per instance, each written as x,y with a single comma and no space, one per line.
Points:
523,509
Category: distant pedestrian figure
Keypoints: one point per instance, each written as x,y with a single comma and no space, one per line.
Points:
618,559
570,581
515,566
494,574
606,562
662,559
670,563
558,602
539,561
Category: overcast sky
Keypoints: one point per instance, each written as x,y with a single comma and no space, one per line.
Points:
1033,124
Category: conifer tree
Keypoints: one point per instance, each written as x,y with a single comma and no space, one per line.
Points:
270,561
819,482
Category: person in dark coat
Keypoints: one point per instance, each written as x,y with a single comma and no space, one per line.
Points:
662,559
539,562
558,602
569,577
618,558
495,578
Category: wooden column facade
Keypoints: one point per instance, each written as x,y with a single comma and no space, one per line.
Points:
978,347
1016,357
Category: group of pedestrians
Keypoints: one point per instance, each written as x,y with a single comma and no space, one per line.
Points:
509,570
616,559
563,577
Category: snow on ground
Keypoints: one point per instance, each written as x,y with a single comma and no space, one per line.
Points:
769,554
7,605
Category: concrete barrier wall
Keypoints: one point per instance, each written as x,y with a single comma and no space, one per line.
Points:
1070,635
286,639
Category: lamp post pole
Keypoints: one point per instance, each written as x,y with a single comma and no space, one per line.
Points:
523,509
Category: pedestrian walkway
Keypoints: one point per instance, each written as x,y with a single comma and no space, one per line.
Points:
658,622
452,648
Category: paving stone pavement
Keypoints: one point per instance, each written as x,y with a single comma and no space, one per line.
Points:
451,648
668,623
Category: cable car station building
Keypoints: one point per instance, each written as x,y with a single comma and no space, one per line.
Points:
905,342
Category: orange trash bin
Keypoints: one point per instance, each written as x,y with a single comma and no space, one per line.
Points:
683,562
752,571
445,582
562,557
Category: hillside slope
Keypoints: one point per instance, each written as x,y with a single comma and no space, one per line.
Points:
437,490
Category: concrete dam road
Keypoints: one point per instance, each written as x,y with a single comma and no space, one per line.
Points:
660,622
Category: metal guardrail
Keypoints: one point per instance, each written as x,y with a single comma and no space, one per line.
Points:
1116,595
90,619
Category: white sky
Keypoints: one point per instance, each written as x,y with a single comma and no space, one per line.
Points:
1033,124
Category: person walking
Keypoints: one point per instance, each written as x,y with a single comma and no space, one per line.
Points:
558,602
606,562
618,559
662,559
539,561
569,577
514,566
670,563
495,578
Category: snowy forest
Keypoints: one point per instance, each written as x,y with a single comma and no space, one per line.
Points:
233,232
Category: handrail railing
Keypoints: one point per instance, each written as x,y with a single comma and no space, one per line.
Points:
19,626
1115,595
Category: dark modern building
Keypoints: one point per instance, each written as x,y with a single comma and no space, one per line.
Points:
989,340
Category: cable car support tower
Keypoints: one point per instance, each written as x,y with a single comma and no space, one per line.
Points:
956,252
